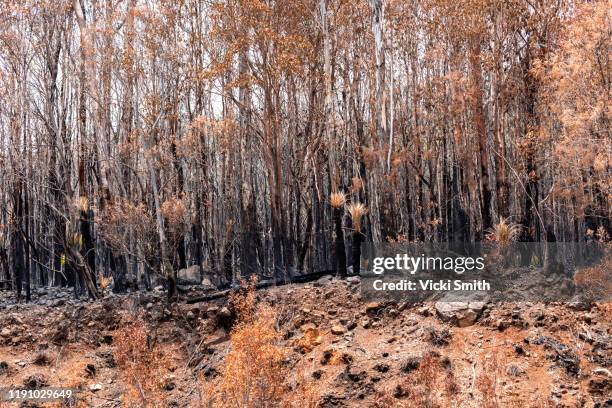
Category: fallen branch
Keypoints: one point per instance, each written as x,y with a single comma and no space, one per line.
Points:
309,277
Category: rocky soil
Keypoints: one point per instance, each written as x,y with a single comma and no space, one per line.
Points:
356,353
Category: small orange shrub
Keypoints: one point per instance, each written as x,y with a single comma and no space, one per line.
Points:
142,365
596,282
254,374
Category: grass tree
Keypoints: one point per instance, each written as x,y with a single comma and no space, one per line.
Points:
357,211
337,201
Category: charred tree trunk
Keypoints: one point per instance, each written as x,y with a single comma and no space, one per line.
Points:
340,248
481,132
18,247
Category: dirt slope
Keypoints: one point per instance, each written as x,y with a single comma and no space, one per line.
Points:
355,354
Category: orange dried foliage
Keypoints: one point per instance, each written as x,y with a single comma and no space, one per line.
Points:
310,339
595,282
254,374
143,365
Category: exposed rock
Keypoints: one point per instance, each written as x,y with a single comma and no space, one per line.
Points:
424,311
307,327
324,280
189,276
212,310
462,314
352,324
601,383
207,283
95,387
309,340
580,303
353,279
338,330
562,353
225,312
602,371
372,307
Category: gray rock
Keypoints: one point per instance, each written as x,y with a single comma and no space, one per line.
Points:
372,307
95,387
424,311
353,279
190,275
324,280
225,312
206,282
462,314
580,303
603,372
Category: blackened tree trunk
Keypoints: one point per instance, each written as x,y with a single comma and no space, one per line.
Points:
356,252
18,247
26,232
340,248
481,131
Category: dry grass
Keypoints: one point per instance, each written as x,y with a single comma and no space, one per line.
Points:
431,385
504,232
596,282
41,359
